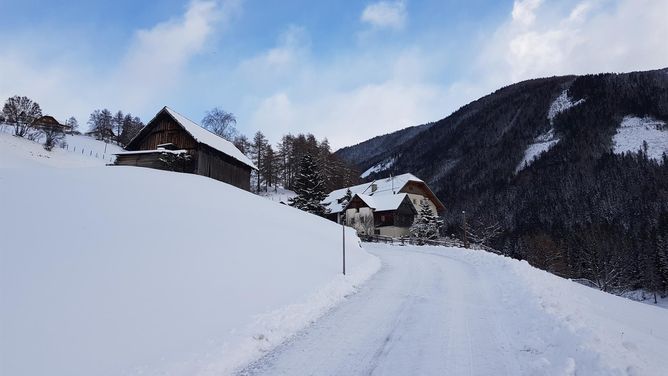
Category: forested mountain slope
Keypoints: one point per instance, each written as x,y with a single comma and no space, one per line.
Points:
571,168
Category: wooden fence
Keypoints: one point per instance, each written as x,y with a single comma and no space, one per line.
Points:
445,242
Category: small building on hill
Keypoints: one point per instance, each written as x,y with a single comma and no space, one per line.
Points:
49,121
173,142
384,206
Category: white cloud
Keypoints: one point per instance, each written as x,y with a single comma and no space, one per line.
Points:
588,37
157,56
153,64
385,14
523,11
347,99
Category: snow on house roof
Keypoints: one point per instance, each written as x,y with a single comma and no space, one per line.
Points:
383,202
384,187
209,138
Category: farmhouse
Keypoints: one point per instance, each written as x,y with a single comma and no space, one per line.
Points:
49,121
170,141
383,207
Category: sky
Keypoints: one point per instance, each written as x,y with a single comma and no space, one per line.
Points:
343,70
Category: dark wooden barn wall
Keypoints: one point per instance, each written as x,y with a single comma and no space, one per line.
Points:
216,165
162,131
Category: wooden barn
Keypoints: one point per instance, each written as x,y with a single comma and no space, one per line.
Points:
170,141
49,121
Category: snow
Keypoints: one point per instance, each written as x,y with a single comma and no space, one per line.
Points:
452,311
20,152
541,144
278,194
547,140
110,270
562,103
634,130
383,203
204,136
386,186
647,298
382,166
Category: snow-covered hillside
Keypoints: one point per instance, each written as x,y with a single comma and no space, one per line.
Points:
562,103
541,144
382,166
547,140
634,131
80,151
124,270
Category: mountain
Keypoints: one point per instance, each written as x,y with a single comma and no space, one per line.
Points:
571,168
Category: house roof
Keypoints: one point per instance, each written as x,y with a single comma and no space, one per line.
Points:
383,202
204,136
384,187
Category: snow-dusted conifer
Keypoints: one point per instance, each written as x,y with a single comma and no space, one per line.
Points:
309,187
427,225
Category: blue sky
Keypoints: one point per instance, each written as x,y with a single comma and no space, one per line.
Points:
345,70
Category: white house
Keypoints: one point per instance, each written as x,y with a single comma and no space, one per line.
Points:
384,206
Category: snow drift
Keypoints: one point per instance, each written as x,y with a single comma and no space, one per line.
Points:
124,270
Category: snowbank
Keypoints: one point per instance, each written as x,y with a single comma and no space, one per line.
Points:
590,332
124,270
634,131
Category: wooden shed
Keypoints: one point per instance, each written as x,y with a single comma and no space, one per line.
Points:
173,142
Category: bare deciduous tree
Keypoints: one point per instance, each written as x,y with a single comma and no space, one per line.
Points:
21,112
221,123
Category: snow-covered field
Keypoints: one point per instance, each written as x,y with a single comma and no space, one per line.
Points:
123,270
633,131
451,311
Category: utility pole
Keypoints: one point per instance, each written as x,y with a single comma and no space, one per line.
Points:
466,240
343,230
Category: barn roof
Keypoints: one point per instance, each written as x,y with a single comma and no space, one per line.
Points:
384,187
209,138
203,136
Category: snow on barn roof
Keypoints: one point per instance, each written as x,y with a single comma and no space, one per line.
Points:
384,187
209,138
383,202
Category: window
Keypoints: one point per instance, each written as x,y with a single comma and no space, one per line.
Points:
376,232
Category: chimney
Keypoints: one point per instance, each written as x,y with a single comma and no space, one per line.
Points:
374,187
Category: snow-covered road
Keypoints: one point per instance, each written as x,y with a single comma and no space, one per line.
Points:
438,311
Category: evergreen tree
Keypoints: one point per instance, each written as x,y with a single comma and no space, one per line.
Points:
309,187
427,226
258,151
344,202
